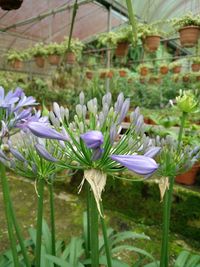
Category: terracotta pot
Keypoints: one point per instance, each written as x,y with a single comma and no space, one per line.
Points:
198,78
122,49
154,80
17,64
89,75
122,73
151,43
176,69
144,71
70,57
103,75
109,74
54,60
189,36
189,177
10,4
164,70
195,67
186,78
40,61
130,80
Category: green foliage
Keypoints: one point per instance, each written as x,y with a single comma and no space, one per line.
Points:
13,55
187,259
145,30
186,20
38,50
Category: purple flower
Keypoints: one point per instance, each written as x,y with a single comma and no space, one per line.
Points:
25,101
142,165
8,100
93,139
42,130
41,150
97,153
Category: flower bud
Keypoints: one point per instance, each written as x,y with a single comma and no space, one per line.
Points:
82,98
187,102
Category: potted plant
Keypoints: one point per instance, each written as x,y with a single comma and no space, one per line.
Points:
186,77
74,51
188,27
175,66
10,4
150,36
54,52
144,69
195,64
155,79
106,73
89,74
16,58
39,53
163,68
123,72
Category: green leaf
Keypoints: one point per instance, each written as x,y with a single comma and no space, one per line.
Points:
58,261
182,259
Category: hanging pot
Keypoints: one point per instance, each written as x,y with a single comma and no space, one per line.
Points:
195,67
151,43
70,57
122,73
189,177
164,70
186,78
122,49
40,61
176,69
10,4
189,36
17,64
144,71
89,75
54,60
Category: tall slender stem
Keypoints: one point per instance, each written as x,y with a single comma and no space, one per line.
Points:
106,241
94,233
5,189
180,135
164,262
19,236
52,218
41,183
88,246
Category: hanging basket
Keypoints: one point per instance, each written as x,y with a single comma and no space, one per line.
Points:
10,4
40,61
151,43
144,71
186,78
195,67
122,73
122,49
54,60
17,64
189,36
89,75
164,70
70,57
176,69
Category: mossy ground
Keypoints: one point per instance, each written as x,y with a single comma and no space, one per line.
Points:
69,209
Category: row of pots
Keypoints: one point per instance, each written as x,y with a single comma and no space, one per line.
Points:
53,60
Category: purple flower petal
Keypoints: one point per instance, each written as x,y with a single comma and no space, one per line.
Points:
17,154
97,153
41,150
44,131
93,139
152,152
139,164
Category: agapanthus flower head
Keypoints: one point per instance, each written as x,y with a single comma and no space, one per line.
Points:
187,102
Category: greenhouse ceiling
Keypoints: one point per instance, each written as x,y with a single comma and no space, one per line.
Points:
50,20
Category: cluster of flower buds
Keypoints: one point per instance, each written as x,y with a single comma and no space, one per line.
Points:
174,161
187,102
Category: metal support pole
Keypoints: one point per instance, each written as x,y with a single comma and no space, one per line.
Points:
108,63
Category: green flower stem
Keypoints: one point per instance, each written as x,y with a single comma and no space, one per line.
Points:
52,218
94,215
106,241
19,236
6,198
164,262
180,135
88,246
41,183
